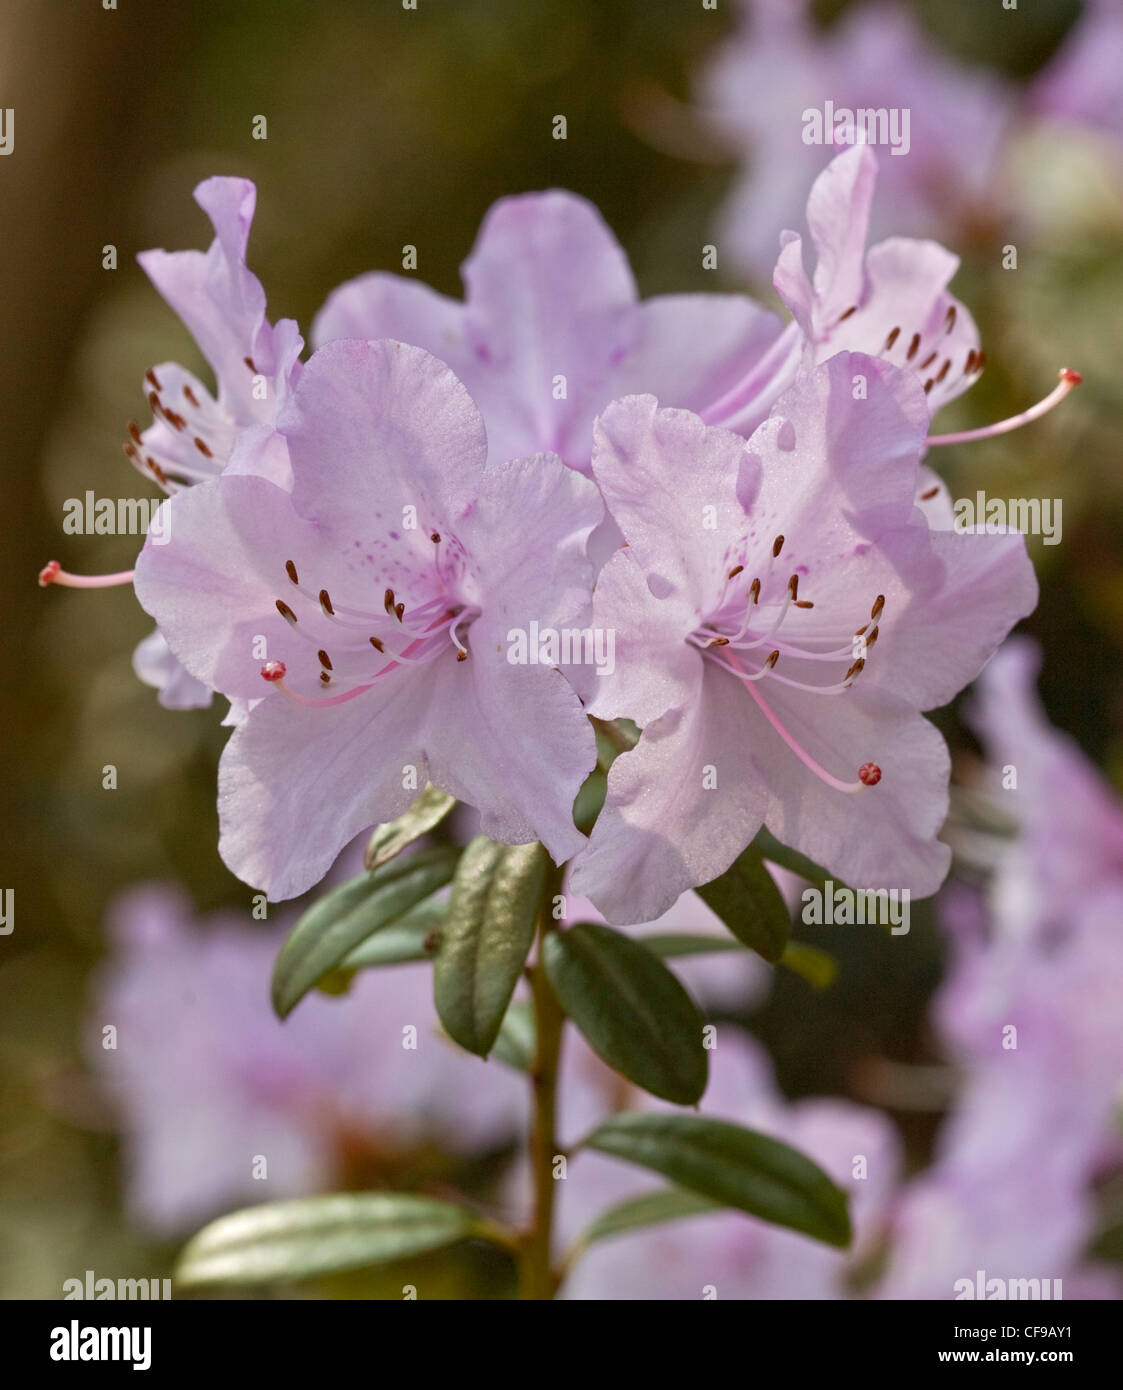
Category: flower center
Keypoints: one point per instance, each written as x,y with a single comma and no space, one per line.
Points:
753,627
396,636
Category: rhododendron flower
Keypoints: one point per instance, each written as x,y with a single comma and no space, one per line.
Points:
378,599
552,328
755,583
193,435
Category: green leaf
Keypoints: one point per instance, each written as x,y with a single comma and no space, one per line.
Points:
414,936
320,1235
747,900
517,1042
736,1167
818,968
670,944
652,1209
331,929
427,811
633,1012
767,845
590,800
487,934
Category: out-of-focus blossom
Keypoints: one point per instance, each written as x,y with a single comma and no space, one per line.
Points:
209,1085
778,65
1030,1012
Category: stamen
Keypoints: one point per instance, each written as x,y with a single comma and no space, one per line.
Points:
249,363
202,448
191,396
949,321
399,611
290,570
878,607
436,538
325,660
754,591
777,546
927,496
388,601
377,645
325,603
274,672
866,773
914,347
134,432
152,379
286,612
53,573
1068,379
852,310
894,334
735,571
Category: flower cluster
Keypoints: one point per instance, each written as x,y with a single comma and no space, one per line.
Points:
361,552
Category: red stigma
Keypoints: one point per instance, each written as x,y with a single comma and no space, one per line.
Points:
1073,378
49,573
275,671
869,774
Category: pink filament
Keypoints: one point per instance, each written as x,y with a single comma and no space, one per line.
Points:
53,573
1068,380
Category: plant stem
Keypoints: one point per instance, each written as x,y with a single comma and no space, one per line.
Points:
537,1279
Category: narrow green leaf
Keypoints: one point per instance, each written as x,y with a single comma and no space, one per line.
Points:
427,811
414,936
283,1241
670,944
818,968
633,1012
486,936
652,1209
733,1166
747,900
767,845
331,929
518,1037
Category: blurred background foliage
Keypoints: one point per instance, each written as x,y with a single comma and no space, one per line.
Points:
388,127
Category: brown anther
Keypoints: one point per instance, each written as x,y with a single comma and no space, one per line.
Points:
773,657
191,396
325,603
325,679
981,362
134,432
176,421
777,546
861,629
793,586
157,472
852,310
399,611
202,448
949,321
462,655
914,347
377,645
436,538
325,660
927,496
878,605
872,638
290,570
249,363
754,591
928,361
285,611
388,601
856,669
804,603
718,642
130,450
944,369
970,365
735,571
929,384
154,402
894,334
152,379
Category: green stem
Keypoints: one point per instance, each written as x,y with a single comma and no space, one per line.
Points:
537,1278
